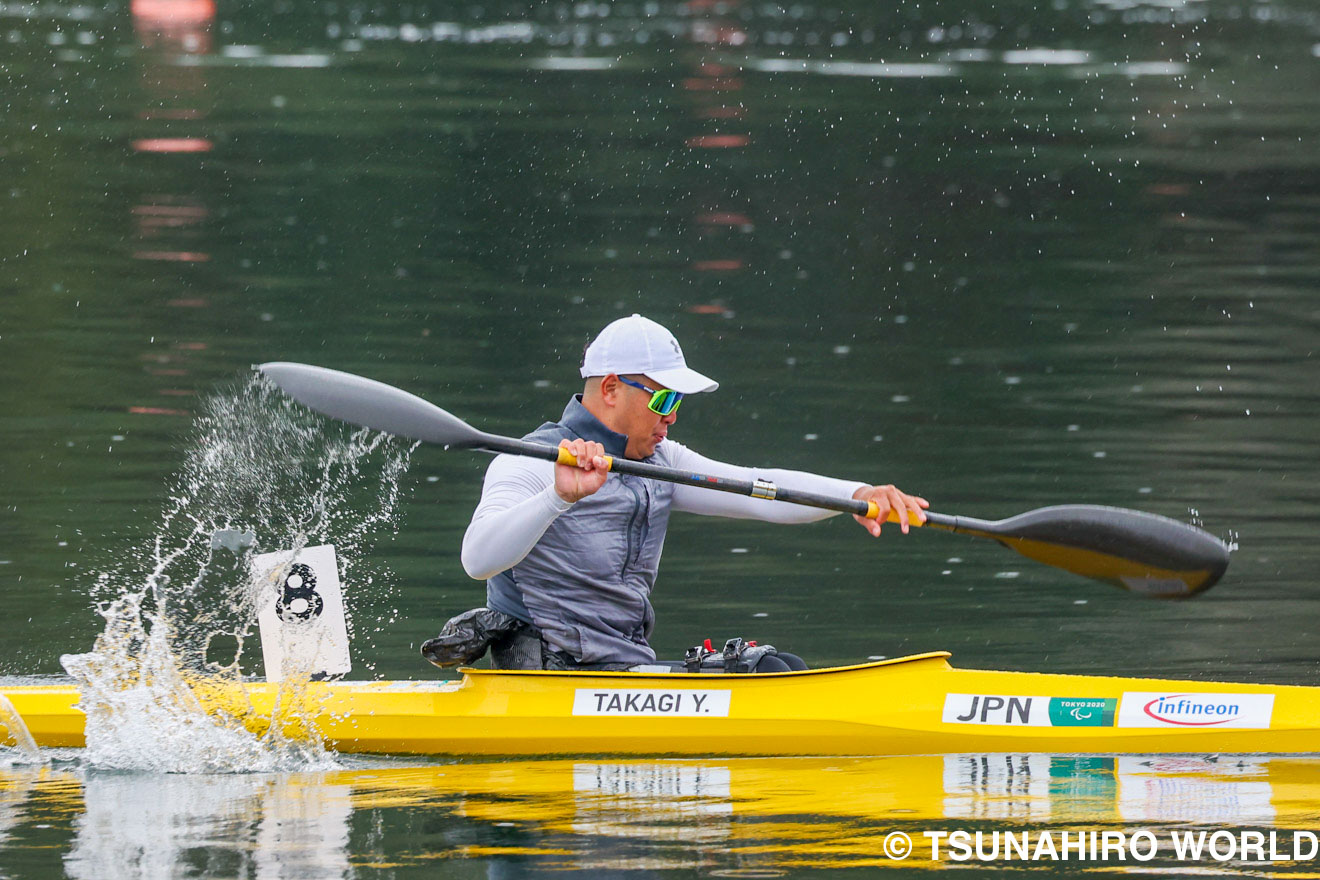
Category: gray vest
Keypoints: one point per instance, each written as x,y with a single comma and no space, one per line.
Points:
586,585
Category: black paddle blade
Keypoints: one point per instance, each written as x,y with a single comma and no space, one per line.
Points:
372,404
1147,554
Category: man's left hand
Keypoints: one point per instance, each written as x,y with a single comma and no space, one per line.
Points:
889,498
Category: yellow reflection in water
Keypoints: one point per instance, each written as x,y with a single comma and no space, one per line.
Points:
727,817
778,813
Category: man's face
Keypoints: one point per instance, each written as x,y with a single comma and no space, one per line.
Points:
645,428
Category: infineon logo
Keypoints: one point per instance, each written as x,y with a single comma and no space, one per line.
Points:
1151,709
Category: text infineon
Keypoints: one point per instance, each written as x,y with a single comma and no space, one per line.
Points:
1142,709
651,702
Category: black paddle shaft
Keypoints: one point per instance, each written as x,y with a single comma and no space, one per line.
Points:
751,488
1128,548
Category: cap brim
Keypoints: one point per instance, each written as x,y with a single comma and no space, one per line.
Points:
683,380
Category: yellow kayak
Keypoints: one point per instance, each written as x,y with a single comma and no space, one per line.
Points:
906,706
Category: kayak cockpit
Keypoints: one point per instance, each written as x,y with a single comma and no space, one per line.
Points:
940,656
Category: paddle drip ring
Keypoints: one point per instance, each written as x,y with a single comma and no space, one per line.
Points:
299,600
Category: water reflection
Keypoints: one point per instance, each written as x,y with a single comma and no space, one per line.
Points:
16,784
714,89
733,815
169,226
157,825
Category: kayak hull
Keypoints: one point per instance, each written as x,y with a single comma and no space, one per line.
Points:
911,705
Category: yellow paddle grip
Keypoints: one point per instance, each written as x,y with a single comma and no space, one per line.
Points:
873,512
568,458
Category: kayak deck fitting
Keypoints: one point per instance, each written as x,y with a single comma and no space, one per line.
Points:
905,706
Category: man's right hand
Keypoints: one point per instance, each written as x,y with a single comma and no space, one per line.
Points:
573,483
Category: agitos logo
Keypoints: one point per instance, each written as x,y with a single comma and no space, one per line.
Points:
1191,710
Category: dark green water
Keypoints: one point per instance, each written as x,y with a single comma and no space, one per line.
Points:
1002,256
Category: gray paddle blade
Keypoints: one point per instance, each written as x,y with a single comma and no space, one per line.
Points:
1137,551
372,404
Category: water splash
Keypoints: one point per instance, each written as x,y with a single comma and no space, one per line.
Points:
260,474
21,748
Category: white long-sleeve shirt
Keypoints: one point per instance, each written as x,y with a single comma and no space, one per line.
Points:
519,502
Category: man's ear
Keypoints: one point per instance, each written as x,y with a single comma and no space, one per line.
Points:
610,387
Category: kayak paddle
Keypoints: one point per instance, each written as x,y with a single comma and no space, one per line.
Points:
1141,552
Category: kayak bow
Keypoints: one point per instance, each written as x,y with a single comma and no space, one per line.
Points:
910,705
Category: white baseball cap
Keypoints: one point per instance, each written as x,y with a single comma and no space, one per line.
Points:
639,345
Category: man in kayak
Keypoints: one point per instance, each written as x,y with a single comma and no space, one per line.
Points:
570,553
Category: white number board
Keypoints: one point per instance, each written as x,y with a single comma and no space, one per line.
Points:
301,614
